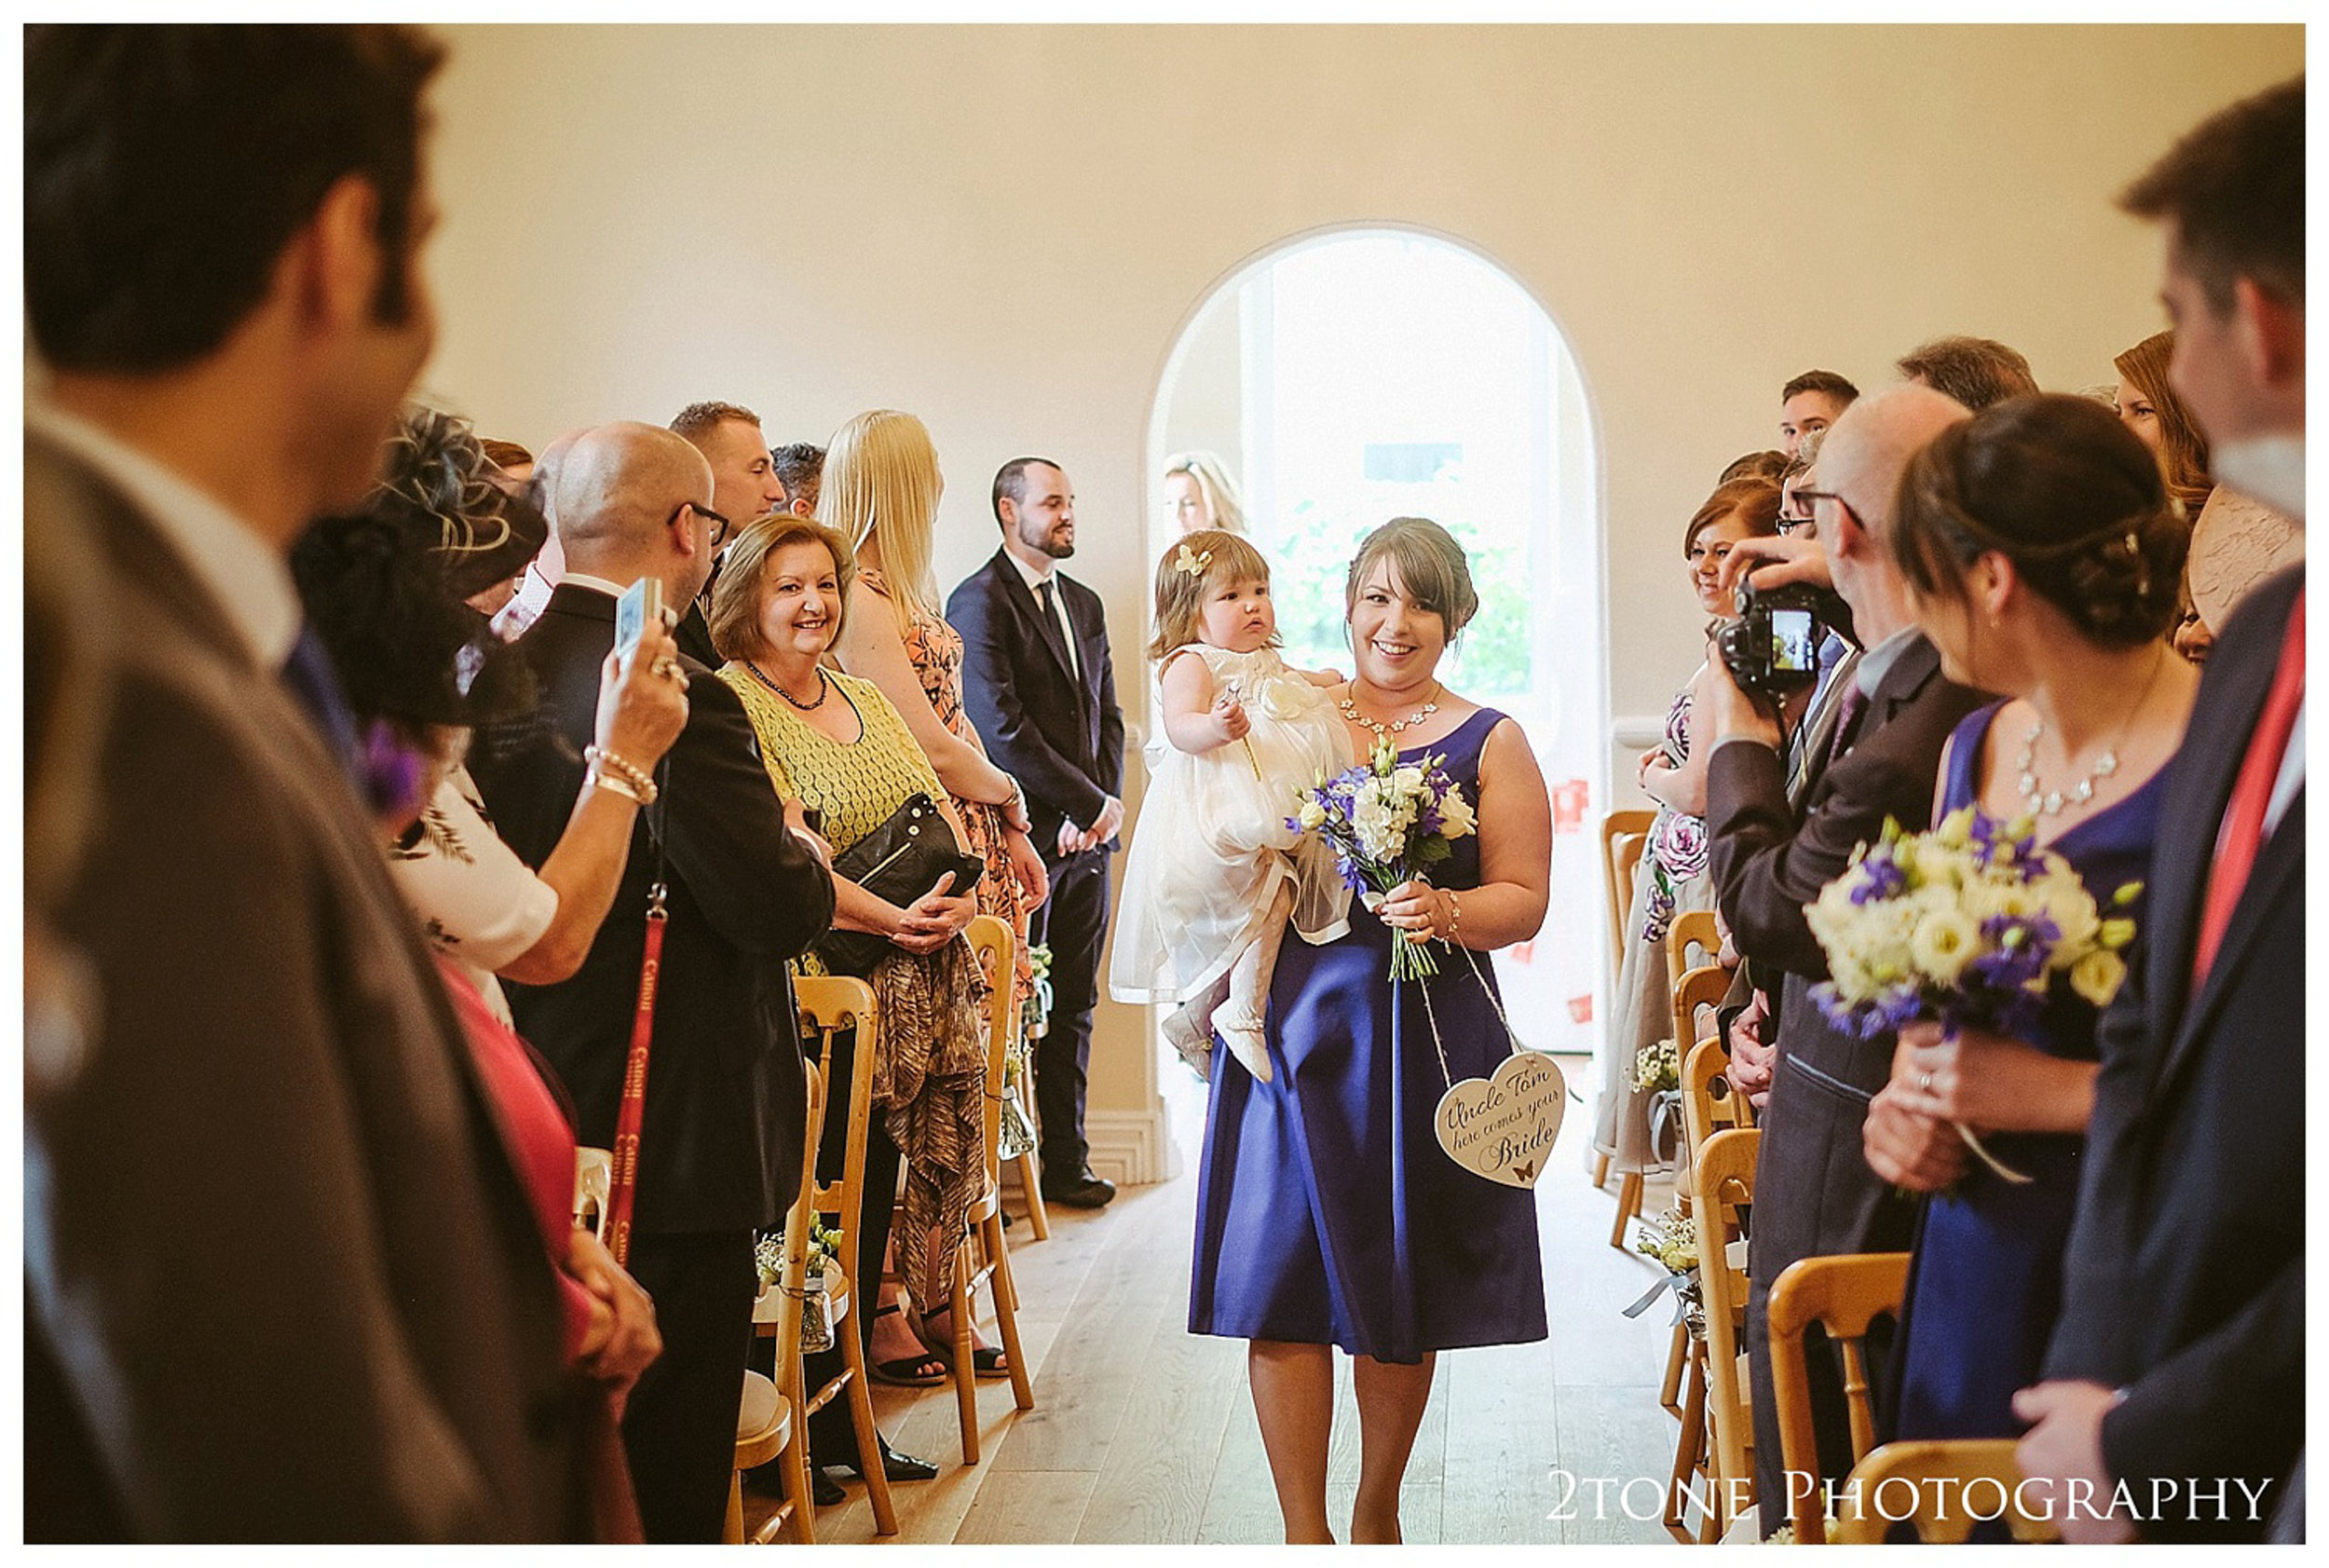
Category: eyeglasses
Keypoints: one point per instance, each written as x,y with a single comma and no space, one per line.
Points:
1806,522
720,525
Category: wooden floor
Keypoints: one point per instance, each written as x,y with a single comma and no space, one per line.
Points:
1143,1432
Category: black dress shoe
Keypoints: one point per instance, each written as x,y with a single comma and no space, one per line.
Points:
1082,1189
897,1466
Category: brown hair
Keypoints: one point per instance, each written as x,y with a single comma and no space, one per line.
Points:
734,619
506,454
1221,557
2062,488
1976,370
2183,450
2233,192
1753,501
1754,465
1428,565
702,418
1826,381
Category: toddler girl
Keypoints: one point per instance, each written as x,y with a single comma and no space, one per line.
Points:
1215,872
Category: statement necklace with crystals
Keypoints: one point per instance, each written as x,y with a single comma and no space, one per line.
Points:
2043,802
825,688
1384,732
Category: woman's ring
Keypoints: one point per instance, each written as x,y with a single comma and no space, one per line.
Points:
1923,1082
667,667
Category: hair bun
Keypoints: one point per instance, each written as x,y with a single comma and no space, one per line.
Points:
2123,585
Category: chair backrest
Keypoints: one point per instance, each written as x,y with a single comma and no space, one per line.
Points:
991,940
1618,860
1843,1294
1723,1182
1691,928
1942,1488
1710,1105
1703,988
828,1004
593,1179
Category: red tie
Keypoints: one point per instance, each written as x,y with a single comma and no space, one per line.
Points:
2244,820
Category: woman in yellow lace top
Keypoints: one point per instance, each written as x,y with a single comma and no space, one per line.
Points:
836,745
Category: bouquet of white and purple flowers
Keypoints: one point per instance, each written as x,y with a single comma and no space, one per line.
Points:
1388,822
1969,925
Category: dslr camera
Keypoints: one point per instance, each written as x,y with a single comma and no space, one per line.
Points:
1773,647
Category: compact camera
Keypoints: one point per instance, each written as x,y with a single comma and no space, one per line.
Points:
1773,647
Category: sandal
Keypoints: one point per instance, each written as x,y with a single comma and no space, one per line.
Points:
926,1370
987,1360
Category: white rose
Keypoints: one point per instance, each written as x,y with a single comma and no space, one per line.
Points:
1311,815
1945,941
2071,907
1455,815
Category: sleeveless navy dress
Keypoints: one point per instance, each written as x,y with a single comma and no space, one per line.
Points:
1985,1281
1326,1211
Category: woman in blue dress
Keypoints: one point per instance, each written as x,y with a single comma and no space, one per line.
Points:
2044,557
1327,1214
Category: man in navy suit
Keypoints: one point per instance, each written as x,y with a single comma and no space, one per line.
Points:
2179,1358
1041,692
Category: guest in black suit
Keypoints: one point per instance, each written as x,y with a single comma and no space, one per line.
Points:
1814,1192
2180,1353
720,1147
1042,693
744,486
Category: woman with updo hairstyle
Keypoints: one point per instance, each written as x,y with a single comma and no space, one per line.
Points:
1328,1213
2042,553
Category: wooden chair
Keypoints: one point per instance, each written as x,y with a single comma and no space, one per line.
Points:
984,1257
827,1005
1691,928
1843,1294
1969,1473
1708,1107
1024,1165
1723,1181
770,1424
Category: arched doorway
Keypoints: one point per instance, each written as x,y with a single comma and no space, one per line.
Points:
1354,375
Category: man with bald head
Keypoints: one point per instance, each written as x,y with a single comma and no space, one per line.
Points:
719,1154
1814,1192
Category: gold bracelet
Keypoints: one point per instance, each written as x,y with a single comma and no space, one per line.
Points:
1455,916
631,772
600,779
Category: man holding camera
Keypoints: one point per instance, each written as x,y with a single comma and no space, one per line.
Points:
1814,1192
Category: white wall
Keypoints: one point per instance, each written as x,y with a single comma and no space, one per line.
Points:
999,229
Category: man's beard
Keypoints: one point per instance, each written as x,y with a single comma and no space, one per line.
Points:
1042,540
2271,468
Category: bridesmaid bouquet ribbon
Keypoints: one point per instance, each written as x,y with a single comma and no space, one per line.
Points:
1971,925
1389,822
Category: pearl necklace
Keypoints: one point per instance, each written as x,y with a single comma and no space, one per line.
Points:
825,688
1384,732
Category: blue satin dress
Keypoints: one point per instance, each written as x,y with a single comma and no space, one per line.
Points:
1326,1211
1985,1282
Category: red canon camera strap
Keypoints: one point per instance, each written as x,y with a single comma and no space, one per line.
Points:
624,1189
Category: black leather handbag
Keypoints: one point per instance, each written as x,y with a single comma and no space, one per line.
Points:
900,861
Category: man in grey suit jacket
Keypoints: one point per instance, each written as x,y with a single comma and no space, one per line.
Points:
282,1279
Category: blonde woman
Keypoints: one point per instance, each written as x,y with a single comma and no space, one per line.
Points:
1199,494
879,493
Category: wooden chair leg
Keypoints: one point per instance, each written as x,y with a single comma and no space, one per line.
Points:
1601,1171
1690,1450
1628,1207
1007,1294
732,1531
965,1372
1036,1216
795,1464
1670,1391
862,1417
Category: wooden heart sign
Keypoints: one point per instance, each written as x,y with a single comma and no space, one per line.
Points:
1503,1127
